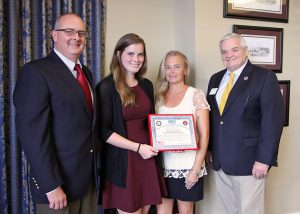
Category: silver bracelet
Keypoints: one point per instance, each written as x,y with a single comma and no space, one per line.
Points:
197,173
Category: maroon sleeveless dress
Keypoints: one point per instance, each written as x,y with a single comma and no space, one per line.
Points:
144,184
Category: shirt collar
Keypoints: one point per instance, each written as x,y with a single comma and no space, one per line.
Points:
238,71
69,63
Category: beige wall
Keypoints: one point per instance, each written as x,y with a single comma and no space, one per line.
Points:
195,27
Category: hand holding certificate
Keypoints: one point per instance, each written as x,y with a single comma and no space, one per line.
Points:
172,132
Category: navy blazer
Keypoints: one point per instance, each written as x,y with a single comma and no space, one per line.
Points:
250,127
55,128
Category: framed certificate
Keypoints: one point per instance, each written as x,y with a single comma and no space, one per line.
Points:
265,45
171,132
265,10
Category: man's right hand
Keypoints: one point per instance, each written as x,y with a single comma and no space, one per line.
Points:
57,199
208,159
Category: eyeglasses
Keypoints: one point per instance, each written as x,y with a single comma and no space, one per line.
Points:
72,32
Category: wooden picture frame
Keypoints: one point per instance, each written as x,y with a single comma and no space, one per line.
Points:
266,10
265,45
285,91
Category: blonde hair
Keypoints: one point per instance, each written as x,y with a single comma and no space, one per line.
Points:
118,71
162,84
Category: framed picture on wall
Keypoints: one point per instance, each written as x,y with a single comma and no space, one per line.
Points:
267,10
264,45
285,91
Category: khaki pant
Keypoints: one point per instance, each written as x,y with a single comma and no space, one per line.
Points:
84,205
240,194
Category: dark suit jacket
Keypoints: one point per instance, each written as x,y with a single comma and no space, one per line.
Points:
111,120
55,128
250,127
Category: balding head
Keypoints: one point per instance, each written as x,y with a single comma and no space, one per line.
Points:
69,36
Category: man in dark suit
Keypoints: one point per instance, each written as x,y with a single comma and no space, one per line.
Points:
246,124
54,101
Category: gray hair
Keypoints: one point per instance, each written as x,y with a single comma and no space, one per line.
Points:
231,36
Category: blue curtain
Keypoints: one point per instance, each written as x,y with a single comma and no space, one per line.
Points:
25,27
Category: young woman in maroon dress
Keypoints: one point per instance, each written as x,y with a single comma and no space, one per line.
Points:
132,179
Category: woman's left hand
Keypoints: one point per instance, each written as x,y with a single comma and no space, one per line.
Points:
191,179
147,151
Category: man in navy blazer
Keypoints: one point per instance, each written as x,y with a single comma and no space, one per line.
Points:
244,138
55,125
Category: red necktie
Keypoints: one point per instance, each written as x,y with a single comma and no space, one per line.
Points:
84,86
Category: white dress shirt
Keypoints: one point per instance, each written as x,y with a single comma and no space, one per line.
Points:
226,79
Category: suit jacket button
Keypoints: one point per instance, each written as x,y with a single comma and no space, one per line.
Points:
221,122
91,151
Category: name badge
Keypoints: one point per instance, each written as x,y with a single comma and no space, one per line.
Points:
213,91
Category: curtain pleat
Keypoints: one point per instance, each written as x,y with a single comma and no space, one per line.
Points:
25,27
14,50
3,132
37,34
96,44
